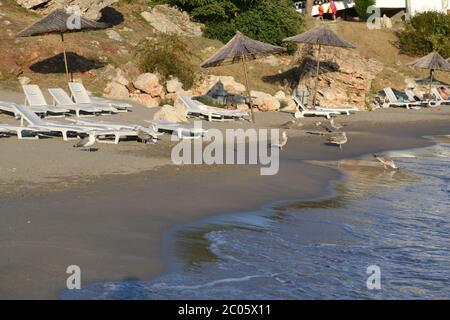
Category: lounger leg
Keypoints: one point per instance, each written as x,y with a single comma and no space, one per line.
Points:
209,117
64,134
117,139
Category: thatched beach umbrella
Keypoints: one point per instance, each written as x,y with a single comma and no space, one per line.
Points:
433,62
320,36
241,49
60,21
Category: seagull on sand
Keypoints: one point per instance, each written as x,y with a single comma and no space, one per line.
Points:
338,139
331,128
282,142
86,143
387,162
145,137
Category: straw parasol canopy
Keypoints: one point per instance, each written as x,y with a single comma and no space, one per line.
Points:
241,49
433,62
320,36
60,21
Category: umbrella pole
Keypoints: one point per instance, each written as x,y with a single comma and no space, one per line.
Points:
65,57
248,88
431,83
317,75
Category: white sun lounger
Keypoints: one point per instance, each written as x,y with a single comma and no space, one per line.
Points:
134,128
302,111
182,131
198,109
393,101
345,110
34,98
7,107
19,130
62,99
81,96
412,97
438,96
38,124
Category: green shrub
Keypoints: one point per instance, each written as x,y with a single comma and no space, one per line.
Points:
265,20
361,7
283,104
164,102
426,32
168,56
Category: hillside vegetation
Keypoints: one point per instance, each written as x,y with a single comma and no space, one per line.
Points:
96,50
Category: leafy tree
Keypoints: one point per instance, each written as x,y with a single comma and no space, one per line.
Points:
361,7
265,20
426,32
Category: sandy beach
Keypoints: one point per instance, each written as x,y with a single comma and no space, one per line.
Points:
107,211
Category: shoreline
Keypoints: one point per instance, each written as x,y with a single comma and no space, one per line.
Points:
91,224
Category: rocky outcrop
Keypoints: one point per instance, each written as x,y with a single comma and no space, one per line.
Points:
167,19
176,113
149,83
174,86
264,101
218,86
89,8
345,78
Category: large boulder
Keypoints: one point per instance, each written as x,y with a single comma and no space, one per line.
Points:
214,86
167,19
265,102
115,90
149,83
174,85
90,9
176,113
145,99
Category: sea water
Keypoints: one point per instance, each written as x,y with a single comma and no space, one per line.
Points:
398,221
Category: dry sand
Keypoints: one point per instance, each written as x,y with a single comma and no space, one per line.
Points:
107,211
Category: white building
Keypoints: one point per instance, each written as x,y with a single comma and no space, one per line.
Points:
413,6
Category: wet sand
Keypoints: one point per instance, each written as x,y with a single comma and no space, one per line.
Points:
107,211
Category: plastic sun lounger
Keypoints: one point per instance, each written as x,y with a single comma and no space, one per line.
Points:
39,124
182,131
345,110
302,111
62,99
196,108
132,129
19,130
34,98
81,96
438,96
412,97
395,102
7,107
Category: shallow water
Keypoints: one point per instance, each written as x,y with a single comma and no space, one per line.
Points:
398,221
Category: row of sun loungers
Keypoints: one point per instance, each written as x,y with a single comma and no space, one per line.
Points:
79,102
411,101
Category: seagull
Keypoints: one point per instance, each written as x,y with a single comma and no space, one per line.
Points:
86,142
283,141
145,137
387,162
338,139
331,128
335,126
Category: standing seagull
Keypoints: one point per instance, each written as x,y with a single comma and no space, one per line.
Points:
331,128
338,139
86,142
335,126
282,142
145,137
387,162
